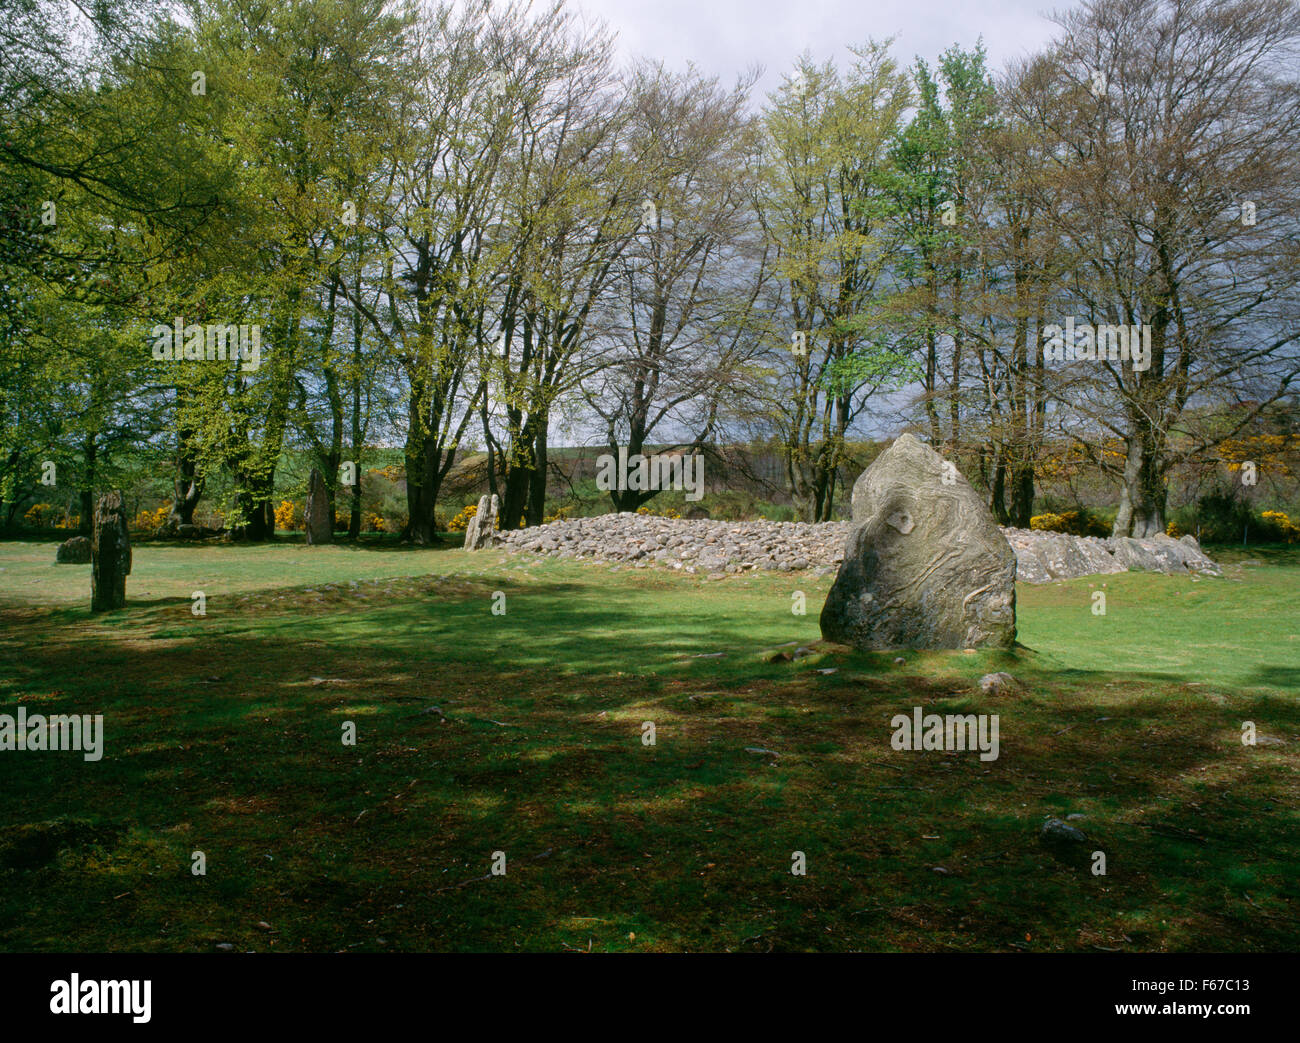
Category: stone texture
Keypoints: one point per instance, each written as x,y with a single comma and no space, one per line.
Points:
926,565
1045,556
711,546
110,551
483,526
75,551
1055,831
648,541
998,684
1161,553
316,516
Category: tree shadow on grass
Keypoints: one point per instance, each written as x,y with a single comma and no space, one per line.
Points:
231,740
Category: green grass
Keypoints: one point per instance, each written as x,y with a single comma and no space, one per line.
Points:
222,735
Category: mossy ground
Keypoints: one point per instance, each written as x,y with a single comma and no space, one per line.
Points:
223,735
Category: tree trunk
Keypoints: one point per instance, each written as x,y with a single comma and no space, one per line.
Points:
521,482
254,503
421,486
1022,496
1144,494
998,491
187,487
354,515
87,495
537,480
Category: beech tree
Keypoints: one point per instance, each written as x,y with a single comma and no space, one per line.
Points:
1175,139
681,317
824,212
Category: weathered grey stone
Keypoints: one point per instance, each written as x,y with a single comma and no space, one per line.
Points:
1031,560
1041,557
1138,554
316,516
483,526
1055,831
926,565
75,551
1184,555
110,552
1045,556
997,684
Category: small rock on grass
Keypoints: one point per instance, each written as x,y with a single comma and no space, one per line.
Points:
997,684
1055,831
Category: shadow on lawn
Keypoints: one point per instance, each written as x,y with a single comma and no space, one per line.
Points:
228,737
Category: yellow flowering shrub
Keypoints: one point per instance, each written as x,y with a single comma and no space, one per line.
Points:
1076,523
39,514
461,522
148,521
287,516
1281,521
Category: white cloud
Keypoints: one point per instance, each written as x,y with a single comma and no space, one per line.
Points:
723,37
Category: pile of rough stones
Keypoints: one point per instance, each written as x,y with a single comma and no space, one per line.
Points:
644,541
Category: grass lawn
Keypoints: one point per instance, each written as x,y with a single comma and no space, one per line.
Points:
223,734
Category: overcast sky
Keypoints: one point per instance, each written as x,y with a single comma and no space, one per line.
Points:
723,37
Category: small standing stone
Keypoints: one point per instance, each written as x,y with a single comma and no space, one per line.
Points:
483,526
75,551
320,526
110,551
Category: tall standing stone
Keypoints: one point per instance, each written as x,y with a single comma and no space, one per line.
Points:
926,565
316,516
110,554
482,527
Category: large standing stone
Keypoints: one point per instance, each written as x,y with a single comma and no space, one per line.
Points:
482,527
926,565
316,516
110,552
75,551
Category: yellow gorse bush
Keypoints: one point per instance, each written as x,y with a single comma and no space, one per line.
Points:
1268,452
148,521
1047,523
1076,523
1282,521
39,514
286,516
461,522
